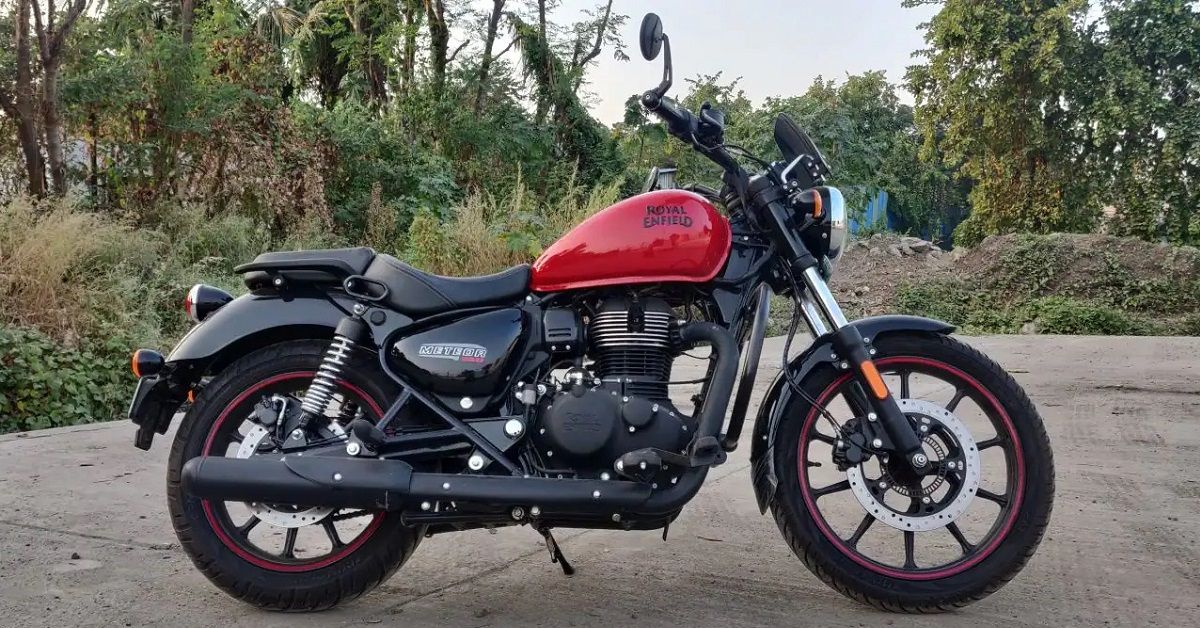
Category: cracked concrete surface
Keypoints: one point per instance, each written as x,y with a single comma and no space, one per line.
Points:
85,539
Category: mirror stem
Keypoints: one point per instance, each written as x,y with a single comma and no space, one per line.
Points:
668,71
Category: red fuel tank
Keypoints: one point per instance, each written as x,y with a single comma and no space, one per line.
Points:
667,235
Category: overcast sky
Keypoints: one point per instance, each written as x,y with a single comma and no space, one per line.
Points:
776,46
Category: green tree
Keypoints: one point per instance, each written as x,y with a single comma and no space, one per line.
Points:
1141,95
994,94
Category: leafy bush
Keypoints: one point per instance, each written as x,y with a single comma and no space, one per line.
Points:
1190,326
945,300
1064,315
44,384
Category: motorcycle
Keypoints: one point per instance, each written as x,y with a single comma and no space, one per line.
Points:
350,405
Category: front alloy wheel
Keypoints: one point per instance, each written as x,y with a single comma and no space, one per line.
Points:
901,541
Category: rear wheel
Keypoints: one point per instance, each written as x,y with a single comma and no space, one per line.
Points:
901,542
279,556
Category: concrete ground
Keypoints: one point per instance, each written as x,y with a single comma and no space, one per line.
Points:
85,539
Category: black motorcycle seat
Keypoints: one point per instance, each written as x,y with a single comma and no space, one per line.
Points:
417,293
340,263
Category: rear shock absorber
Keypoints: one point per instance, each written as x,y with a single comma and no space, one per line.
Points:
350,332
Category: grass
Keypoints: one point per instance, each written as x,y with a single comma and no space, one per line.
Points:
488,233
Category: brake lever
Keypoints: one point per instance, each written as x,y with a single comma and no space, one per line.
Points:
711,126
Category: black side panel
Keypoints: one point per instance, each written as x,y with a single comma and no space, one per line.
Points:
762,470
469,356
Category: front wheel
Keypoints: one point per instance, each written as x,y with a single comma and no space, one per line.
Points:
279,556
900,542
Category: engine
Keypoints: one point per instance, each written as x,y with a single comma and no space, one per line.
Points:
620,402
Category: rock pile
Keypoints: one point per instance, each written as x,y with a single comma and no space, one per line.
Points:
879,245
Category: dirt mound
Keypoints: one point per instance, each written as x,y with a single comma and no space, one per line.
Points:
1086,266
1156,282
873,269
1057,283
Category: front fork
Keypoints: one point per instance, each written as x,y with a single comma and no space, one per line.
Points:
818,306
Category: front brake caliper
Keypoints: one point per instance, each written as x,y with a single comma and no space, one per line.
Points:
850,449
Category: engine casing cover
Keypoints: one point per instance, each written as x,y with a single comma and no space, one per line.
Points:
589,427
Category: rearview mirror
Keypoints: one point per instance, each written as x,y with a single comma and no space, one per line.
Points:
651,37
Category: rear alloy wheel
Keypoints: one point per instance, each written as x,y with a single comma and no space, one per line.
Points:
281,556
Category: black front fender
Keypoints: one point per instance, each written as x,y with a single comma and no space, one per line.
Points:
779,394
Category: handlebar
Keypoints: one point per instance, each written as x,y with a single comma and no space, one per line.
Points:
705,134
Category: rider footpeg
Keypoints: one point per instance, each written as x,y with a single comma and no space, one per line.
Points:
644,464
641,465
556,555
366,432
707,451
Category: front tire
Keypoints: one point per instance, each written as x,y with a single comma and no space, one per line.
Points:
207,531
818,522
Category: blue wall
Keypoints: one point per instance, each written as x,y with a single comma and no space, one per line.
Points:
878,214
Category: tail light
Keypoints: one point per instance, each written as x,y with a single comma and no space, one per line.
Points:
203,300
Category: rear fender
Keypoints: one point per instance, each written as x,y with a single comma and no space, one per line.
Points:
779,395
247,323
256,320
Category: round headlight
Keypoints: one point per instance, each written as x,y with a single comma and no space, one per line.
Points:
839,227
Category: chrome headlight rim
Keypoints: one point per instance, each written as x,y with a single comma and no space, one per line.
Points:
839,225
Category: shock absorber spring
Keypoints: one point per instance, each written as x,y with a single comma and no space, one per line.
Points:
324,384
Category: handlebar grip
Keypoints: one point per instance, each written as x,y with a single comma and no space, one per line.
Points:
678,119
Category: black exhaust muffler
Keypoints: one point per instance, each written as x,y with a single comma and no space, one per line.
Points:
308,481
390,485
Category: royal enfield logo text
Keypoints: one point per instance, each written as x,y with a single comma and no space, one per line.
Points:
458,352
664,215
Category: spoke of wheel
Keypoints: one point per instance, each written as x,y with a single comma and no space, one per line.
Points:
289,543
829,440
245,528
904,390
237,437
989,443
861,530
909,541
332,533
990,496
959,394
832,488
958,536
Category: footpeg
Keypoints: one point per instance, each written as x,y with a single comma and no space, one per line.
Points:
644,465
641,465
707,451
364,438
556,555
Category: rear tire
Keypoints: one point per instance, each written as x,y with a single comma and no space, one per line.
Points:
829,555
361,565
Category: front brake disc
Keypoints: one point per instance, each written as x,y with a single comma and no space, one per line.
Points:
870,494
